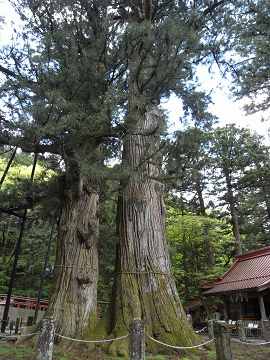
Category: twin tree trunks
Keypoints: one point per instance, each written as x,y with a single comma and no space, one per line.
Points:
143,284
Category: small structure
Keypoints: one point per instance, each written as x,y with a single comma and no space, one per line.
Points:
245,287
196,309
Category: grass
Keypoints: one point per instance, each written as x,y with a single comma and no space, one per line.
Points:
16,353
9,350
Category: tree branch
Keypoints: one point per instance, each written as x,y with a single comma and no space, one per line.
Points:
7,72
214,6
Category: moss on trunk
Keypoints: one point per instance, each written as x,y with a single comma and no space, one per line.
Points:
143,283
74,295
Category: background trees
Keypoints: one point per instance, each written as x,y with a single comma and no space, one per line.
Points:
93,73
60,88
15,191
250,39
186,238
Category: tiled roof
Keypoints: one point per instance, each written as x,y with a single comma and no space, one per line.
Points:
250,271
193,303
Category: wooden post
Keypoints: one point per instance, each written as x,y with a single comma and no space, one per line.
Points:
11,326
30,320
137,339
211,329
241,330
223,341
262,308
226,308
45,339
17,325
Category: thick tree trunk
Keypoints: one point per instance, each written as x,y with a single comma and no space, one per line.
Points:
234,219
143,285
73,302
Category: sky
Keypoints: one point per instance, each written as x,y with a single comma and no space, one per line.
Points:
224,107
227,110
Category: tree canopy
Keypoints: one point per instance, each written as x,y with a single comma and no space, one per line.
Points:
83,85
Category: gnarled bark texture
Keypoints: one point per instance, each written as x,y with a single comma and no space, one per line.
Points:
143,285
73,302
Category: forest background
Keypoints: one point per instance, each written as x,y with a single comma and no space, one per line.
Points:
216,179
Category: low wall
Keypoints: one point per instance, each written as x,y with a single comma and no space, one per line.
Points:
22,313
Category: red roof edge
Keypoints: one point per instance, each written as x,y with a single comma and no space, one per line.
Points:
253,253
193,304
209,285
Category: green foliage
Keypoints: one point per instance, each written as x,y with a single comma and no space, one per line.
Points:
18,192
241,162
250,40
186,239
68,101
31,261
4,272
107,241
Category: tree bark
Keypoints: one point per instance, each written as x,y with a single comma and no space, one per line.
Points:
73,303
207,239
234,219
143,284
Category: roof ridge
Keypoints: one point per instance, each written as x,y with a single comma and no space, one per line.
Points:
254,253
238,280
253,256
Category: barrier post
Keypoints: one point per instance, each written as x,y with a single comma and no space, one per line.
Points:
137,339
241,330
223,341
17,325
11,326
266,329
30,320
45,339
210,329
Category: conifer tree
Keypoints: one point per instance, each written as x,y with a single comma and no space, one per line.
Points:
165,40
254,209
249,38
93,59
57,90
187,165
239,163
